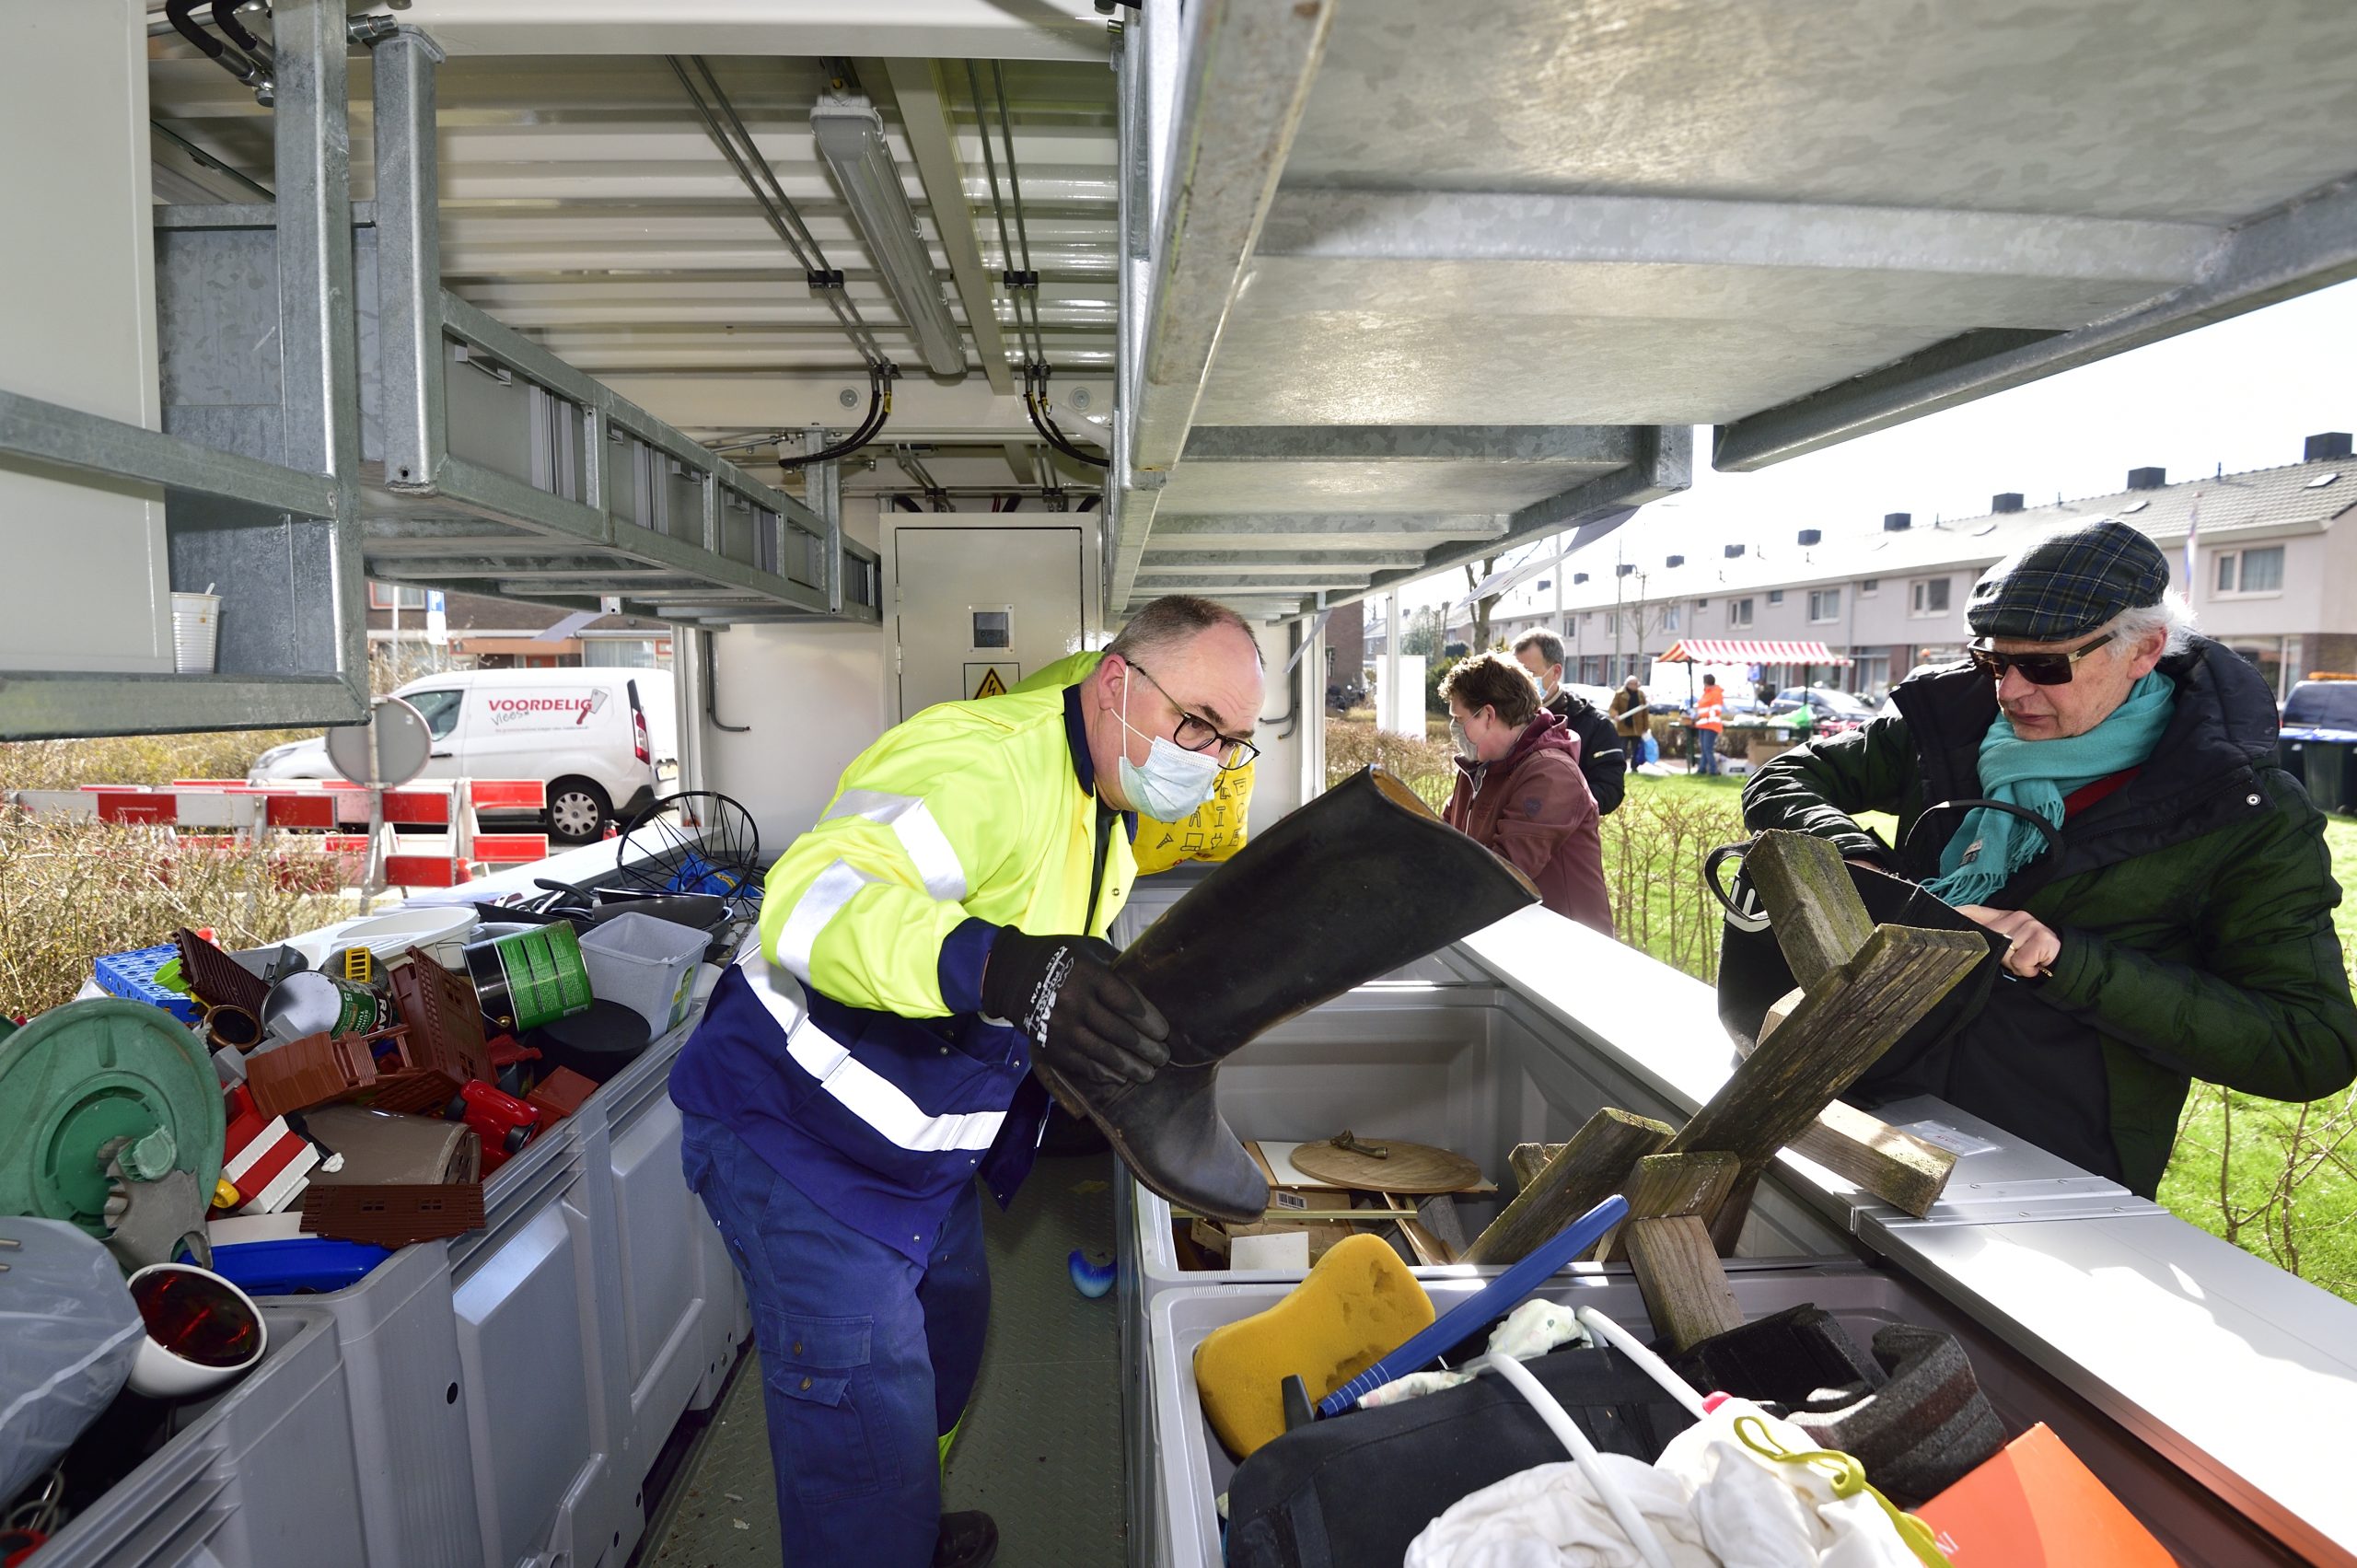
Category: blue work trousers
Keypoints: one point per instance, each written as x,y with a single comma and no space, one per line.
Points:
867,1357
1707,740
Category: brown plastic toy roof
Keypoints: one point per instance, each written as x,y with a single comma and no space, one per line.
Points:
393,1216
215,977
445,1020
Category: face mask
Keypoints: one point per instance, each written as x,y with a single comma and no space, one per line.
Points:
1173,782
1464,741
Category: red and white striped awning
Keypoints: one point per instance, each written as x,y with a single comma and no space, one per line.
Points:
1730,650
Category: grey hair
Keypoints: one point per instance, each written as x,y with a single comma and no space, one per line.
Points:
1172,618
2172,616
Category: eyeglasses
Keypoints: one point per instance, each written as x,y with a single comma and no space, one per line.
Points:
2038,669
1200,734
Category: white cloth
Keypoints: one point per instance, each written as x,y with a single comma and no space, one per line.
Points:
1533,1328
1712,1501
1552,1518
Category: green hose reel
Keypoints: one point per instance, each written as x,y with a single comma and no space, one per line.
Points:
82,1075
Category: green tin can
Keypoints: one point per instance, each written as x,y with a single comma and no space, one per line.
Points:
527,979
310,1003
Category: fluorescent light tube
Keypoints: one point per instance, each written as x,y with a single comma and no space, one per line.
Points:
851,140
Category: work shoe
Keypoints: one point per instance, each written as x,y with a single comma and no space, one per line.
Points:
1361,880
969,1539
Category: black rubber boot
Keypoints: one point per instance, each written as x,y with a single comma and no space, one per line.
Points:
967,1541
1358,882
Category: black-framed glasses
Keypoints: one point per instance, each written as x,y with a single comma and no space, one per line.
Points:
1196,733
2038,669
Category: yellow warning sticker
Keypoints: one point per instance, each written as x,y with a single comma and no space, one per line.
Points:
991,686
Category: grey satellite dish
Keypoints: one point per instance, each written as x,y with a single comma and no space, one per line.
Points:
388,751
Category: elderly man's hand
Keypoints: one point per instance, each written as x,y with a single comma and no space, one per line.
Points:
2035,946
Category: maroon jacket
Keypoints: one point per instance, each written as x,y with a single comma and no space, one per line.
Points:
1533,806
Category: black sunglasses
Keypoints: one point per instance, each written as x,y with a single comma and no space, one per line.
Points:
2038,669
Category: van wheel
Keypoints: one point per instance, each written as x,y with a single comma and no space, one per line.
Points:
577,811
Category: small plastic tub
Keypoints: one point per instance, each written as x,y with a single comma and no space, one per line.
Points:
644,964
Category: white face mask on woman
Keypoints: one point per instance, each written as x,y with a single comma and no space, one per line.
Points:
1173,782
1464,741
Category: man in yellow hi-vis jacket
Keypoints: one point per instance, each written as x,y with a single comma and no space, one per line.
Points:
939,929
1213,833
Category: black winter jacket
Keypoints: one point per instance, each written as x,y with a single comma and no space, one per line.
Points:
2194,908
1604,756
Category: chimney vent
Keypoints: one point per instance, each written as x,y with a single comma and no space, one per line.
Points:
1578,577
1624,569
1811,536
1677,561
2326,447
2011,501
1733,550
1897,522
2147,479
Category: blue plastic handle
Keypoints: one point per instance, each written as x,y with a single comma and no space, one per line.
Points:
1495,1300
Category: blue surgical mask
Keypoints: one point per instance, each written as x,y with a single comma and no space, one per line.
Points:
1173,782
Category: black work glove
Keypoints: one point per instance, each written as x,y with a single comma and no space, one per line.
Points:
1084,1021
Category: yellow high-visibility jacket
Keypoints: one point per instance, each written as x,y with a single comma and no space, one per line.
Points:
850,1052
1213,833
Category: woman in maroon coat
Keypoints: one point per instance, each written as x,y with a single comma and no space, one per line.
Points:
1519,790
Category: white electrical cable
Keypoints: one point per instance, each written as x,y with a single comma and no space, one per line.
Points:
1624,1512
1653,1366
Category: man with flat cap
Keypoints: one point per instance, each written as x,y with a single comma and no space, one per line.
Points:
2180,926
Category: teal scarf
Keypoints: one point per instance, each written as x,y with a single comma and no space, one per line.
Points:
1989,846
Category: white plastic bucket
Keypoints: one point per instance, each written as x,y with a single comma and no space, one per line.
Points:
441,929
196,632
646,964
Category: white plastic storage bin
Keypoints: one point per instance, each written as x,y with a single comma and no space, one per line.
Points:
1463,1067
262,1476
1190,1470
647,965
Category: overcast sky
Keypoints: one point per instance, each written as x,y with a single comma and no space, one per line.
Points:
2242,393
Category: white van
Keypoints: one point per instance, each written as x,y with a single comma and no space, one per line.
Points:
602,739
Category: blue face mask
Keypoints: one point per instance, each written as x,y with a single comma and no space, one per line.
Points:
1173,782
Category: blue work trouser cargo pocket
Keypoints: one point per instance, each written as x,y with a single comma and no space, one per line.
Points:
818,1369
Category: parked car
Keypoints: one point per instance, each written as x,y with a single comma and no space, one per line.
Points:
600,738
1833,710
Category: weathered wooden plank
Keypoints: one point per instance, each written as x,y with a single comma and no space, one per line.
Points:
1528,1160
1820,921
1895,1165
1437,1211
1663,1186
1685,1290
1859,1012
1582,1173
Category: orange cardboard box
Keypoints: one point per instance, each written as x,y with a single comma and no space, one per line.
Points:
2035,1505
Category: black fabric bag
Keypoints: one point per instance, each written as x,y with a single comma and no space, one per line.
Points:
1357,1489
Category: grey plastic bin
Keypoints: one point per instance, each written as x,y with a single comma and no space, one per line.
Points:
1466,1067
262,1476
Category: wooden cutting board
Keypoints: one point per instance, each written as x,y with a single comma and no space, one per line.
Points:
1407,1167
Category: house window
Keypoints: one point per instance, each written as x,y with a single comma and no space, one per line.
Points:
1669,619
1739,613
1825,604
1929,597
387,595
2242,572
1868,587
1593,671
1775,596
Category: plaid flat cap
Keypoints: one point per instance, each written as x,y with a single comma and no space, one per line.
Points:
2068,584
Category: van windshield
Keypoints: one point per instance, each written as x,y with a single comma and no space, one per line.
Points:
439,709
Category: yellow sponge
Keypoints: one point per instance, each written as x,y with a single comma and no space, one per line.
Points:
1358,1303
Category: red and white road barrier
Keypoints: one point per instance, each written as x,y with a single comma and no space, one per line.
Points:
319,815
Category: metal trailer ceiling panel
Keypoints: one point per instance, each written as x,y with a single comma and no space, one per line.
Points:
1797,222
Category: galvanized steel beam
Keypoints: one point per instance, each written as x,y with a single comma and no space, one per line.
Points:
409,261
1214,562
1249,68
1254,530
924,119
91,444
1606,446
1449,225
2309,244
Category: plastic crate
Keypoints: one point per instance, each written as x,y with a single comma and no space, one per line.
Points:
262,1476
132,976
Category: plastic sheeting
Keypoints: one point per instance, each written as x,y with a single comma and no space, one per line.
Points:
68,1330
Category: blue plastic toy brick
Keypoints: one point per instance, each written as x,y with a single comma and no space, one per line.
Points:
132,976
301,1263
